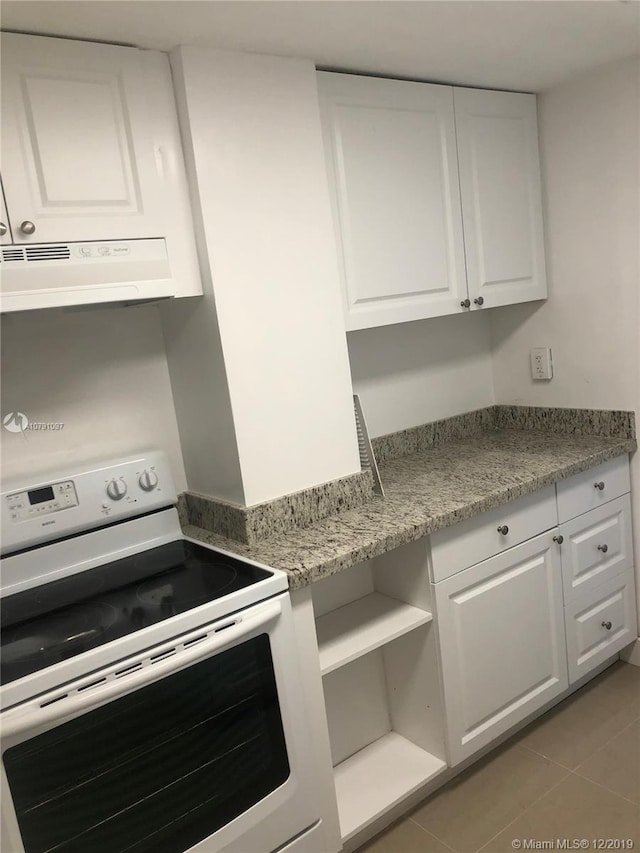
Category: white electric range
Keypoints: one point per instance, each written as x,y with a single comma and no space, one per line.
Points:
149,697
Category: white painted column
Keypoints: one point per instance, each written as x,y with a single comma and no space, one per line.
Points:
252,138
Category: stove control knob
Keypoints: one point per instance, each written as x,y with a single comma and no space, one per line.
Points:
148,480
116,489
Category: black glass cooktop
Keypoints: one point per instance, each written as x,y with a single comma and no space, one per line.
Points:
54,622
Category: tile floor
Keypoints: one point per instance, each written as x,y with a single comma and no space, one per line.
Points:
574,774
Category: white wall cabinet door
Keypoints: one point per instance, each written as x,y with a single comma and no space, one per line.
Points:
502,642
391,155
497,135
78,159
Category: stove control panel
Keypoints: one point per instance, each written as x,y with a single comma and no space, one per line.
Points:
84,499
35,503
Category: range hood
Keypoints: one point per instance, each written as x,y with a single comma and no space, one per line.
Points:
49,275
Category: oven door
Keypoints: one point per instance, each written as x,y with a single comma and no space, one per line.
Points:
198,744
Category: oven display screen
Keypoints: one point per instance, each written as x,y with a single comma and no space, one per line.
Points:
38,496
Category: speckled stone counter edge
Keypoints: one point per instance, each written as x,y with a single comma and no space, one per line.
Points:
611,424
304,567
602,422
254,523
416,439
250,525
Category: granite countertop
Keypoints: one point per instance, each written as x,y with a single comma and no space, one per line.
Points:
425,492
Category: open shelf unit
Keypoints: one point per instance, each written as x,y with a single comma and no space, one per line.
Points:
362,626
378,777
379,665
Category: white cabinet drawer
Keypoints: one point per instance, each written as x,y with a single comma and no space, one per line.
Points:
599,624
593,488
458,547
597,545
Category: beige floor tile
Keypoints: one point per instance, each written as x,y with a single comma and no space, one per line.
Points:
575,809
617,764
404,837
480,802
577,727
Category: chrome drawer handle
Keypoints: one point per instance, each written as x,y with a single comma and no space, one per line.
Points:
503,529
599,486
27,227
603,548
607,625
559,539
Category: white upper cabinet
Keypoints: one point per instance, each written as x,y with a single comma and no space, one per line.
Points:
78,160
391,154
501,202
412,168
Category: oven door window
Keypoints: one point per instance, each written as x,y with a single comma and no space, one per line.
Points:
159,769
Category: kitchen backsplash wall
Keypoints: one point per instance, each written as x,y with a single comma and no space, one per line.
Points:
414,373
102,373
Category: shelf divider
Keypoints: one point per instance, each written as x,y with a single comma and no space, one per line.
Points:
363,625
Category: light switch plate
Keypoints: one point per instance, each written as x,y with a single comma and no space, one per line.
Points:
541,363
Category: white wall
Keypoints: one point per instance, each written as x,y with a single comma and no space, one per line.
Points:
590,163
255,142
589,134
413,373
101,372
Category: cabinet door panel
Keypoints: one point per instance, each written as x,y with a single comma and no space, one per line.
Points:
502,642
77,152
501,199
391,156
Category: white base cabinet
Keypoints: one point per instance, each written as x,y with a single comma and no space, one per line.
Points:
597,565
379,665
501,632
427,657
526,621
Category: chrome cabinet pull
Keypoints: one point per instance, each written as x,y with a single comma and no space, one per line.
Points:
466,303
599,486
607,625
479,300
3,229
503,529
603,548
559,539
27,227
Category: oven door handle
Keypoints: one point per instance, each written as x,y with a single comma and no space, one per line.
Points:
31,714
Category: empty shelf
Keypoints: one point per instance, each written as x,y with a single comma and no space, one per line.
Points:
377,778
362,626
